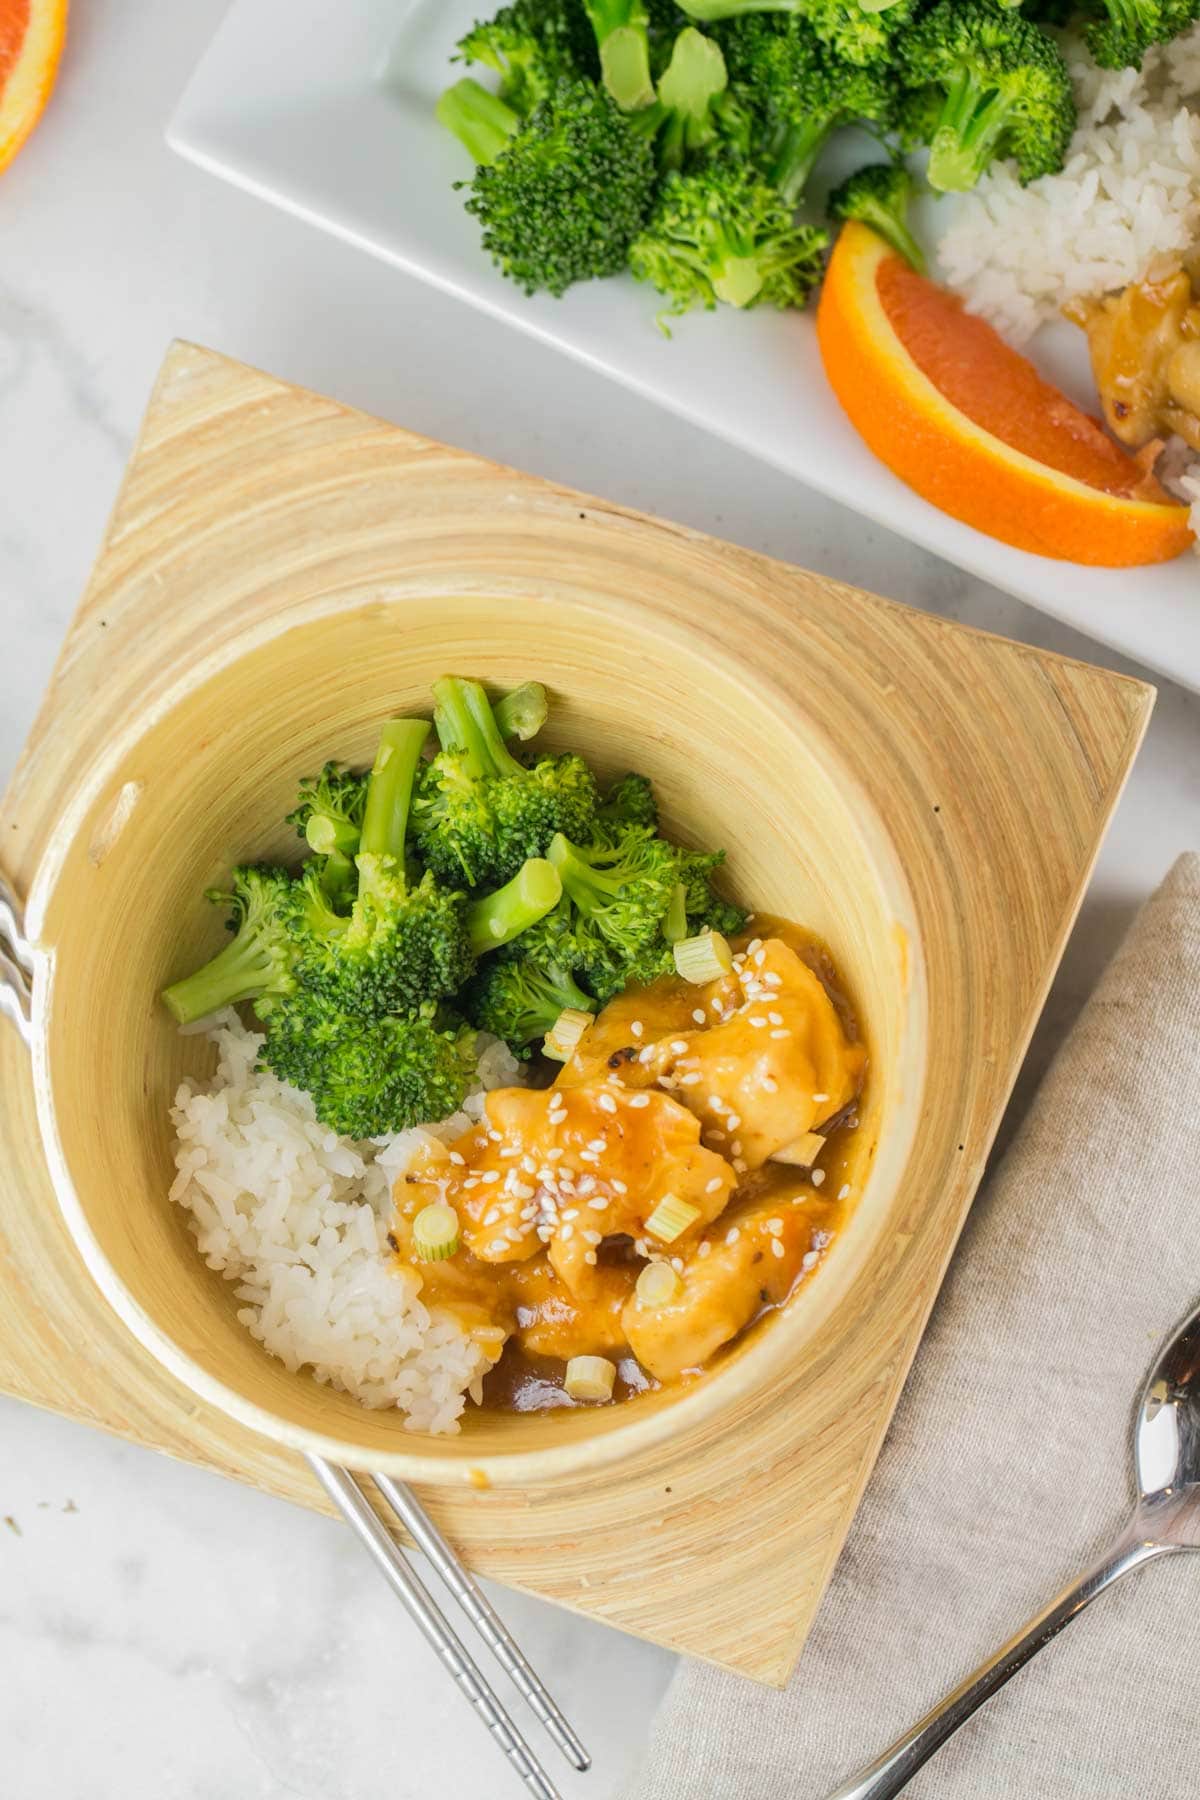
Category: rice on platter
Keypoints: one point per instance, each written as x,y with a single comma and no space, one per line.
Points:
298,1218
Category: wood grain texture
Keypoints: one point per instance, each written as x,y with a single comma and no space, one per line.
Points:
990,768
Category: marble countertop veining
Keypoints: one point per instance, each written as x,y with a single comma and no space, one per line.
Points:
164,1634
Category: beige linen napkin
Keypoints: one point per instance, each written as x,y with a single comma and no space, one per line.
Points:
1006,1469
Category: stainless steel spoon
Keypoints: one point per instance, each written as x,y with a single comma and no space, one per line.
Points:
1166,1519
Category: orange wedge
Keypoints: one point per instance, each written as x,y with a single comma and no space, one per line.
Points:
970,424
31,41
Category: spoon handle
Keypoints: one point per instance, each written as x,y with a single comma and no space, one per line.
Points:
893,1771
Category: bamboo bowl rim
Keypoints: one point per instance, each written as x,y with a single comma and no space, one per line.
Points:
723,1390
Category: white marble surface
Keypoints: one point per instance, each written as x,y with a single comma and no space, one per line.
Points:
165,1635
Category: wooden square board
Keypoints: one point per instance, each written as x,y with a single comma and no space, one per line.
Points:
1003,762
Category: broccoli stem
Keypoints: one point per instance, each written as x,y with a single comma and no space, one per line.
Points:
675,923
498,918
588,888
467,724
973,120
389,790
338,879
479,120
243,970
625,68
801,146
709,11
522,713
325,834
894,230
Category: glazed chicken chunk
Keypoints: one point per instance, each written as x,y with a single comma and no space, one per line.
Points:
776,1065
1145,350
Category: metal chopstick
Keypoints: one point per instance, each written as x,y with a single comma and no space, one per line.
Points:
358,1512
483,1616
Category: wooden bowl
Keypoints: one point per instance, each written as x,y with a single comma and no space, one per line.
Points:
206,777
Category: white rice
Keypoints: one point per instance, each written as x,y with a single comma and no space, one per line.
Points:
298,1218
1130,190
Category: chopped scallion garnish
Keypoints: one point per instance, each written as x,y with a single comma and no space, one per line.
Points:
563,1037
435,1232
671,1218
657,1285
704,958
590,1378
804,1152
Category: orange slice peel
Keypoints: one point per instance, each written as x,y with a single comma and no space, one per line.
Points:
970,424
31,41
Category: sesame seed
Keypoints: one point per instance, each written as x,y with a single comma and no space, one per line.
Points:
456,1156
646,1055
545,1232
599,1204
717,1104
775,1227
778,1033
705,1249
588,1184
809,1260
716,1137
679,1046
640,1100
844,1192
712,1186
753,945
777,1019
598,1143
573,1213
592,1237
731,1237
738,1165
776,1247
520,1191
589,1256
472,1181
613,1080
636,1028
529,1166
492,1217
690,1080
757,1023
490,1175
735,1148
772,979
510,1150
495,1137
618,1187
770,1085
817,1177
567,1233
699,1015
818,1098
733,1121
555,1154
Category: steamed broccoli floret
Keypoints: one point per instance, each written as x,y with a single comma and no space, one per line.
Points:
802,91
706,910
720,233
1125,29
531,45
621,892
519,1001
479,813
879,196
258,964
629,801
368,1077
1006,91
622,29
561,195
328,816
862,31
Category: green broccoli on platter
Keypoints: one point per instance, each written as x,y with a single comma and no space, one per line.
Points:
560,195
879,196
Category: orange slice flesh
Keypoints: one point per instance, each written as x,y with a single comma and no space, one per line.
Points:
31,41
970,424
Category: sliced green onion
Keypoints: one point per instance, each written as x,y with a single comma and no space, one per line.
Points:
804,1152
562,1039
657,1285
590,1378
671,1218
435,1232
675,923
704,958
